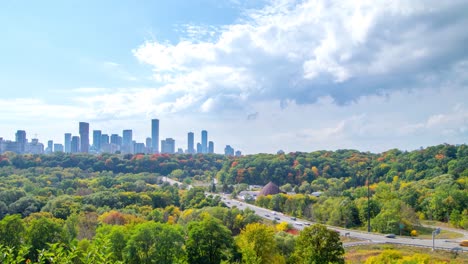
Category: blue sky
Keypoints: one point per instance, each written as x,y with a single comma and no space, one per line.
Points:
258,75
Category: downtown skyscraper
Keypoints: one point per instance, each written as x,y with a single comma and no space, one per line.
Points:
190,143
67,142
204,141
97,134
155,135
84,137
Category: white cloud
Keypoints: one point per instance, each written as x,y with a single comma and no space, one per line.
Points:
303,50
318,74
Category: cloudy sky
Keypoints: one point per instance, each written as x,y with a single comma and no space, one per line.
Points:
258,75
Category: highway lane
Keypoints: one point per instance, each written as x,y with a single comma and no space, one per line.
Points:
300,224
370,237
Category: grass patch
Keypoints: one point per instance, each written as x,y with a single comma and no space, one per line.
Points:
426,233
359,254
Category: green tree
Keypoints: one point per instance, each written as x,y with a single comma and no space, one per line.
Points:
316,244
11,231
155,243
41,232
209,241
257,244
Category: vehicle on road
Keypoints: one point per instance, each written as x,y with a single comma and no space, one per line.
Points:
277,218
390,236
293,218
267,215
307,224
464,243
273,212
298,223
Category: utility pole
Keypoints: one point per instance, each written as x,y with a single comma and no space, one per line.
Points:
368,200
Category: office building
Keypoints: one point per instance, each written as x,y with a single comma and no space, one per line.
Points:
228,151
168,146
238,153
190,141
210,147
148,145
58,148
50,146
127,141
21,141
114,139
155,135
84,137
139,148
35,147
97,137
104,139
199,148
204,141
180,151
75,144
67,143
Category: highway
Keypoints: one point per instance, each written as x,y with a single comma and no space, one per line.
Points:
366,237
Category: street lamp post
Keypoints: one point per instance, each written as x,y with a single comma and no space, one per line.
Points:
368,200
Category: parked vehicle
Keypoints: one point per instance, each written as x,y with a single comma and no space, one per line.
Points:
390,236
464,243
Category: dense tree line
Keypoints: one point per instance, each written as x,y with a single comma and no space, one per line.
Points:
82,206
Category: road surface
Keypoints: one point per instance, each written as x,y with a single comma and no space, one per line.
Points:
366,237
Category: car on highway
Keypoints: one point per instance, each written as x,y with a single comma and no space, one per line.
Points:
293,218
390,236
267,215
277,218
307,224
298,223
464,243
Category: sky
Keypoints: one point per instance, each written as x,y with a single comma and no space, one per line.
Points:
258,75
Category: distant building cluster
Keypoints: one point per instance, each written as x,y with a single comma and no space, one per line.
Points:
113,143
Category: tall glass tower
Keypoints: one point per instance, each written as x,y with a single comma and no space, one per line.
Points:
67,143
155,135
84,137
204,141
190,140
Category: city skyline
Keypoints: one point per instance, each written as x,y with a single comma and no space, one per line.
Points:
262,75
123,143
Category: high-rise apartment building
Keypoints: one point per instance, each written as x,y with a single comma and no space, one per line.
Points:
97,134
190,141
155,135
238,153
84,137
139,148
211,147
75,144
21,141
58,148
168,146
35,147
67,143
127,141
114,139
148,145
199,148
50,146
204,141
104,139
228,151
